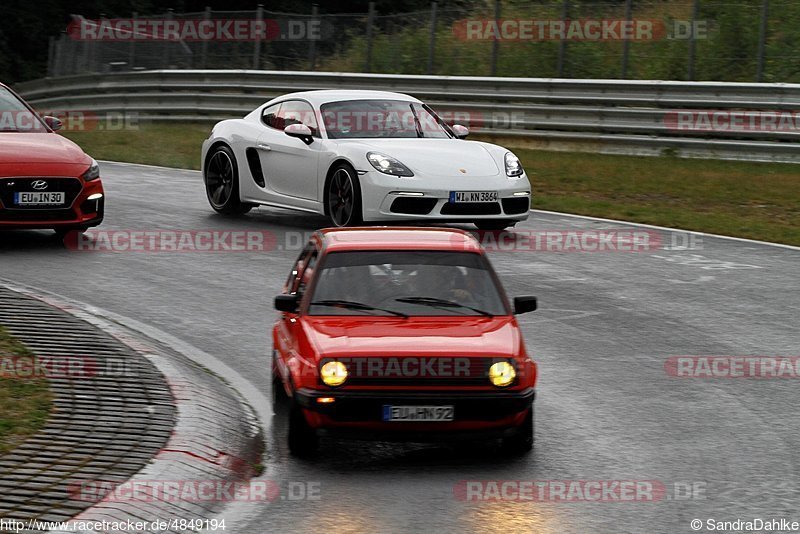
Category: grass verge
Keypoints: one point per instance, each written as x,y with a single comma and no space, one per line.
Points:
752,200
24,403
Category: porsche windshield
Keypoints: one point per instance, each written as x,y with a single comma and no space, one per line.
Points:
406,283
364,119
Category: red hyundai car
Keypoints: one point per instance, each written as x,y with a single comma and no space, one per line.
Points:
46,180
400,334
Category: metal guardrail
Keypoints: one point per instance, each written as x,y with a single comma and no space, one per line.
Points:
612,116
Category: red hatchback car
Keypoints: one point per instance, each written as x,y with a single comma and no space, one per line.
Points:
46,180
400,334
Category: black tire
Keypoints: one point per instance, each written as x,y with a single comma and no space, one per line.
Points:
522,441
343,197
279,398
303,441
221,178
493,224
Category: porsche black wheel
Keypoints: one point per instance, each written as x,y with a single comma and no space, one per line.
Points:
222,182
343,197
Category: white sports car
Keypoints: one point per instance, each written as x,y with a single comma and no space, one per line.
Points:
361,156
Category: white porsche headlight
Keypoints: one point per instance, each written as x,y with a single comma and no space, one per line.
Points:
513,165
388,165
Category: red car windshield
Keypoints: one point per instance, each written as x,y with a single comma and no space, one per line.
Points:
15,116
406,283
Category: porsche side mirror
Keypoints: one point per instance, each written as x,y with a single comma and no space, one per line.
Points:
300,131
286,303
524,304
53,123
460,131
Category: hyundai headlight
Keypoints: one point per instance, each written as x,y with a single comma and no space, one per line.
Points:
92,173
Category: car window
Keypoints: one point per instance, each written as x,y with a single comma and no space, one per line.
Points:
366,119
270,116
15,116
308,271
298,112
417,283
302,270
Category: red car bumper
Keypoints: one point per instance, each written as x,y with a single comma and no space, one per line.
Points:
359,414
84,204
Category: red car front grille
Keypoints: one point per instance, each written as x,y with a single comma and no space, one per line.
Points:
8,186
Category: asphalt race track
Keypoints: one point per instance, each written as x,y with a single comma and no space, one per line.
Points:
606,408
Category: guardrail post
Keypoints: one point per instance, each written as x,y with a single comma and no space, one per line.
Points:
370,23
84,63
51,48
132,46
167,43
58,57
495,41
432,44
312,43
762,38
204,45
257,44
626,43
692,42
562,48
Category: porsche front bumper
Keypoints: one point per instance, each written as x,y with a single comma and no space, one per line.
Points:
386,198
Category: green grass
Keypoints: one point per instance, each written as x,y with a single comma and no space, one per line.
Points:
24,403
170,145
752,200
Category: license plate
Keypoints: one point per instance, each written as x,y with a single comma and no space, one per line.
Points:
39,199
417,413
457,197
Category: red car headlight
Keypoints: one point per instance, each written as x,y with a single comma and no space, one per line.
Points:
92,173
502,374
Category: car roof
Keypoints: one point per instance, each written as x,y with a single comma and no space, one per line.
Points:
398,238
318,98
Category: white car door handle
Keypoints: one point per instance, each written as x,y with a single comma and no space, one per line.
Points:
262,146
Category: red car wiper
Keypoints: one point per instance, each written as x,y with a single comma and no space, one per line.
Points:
441,303
350,305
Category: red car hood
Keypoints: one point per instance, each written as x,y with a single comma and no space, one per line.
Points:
389,336
30,154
